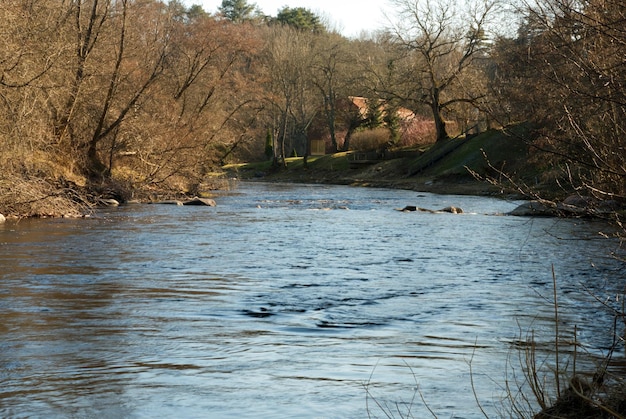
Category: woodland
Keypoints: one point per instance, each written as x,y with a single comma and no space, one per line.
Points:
144,99
129,99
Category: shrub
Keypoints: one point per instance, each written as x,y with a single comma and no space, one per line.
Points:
370,139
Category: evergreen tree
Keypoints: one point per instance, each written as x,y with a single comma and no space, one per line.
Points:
237,10
196,12
269,144
300,18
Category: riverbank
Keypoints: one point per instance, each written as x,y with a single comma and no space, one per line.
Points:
461,166
494,163
499,163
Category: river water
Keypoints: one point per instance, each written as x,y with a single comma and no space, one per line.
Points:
291,301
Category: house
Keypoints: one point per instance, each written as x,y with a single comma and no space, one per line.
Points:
352,112
365,109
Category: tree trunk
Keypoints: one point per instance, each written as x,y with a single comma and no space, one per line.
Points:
283,139
440,123
329,105
95,167
346,140
440,127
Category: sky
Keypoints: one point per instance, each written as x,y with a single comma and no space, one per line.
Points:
350,17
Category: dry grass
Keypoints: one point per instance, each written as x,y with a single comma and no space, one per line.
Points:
37,197
371,139
34,183
552,382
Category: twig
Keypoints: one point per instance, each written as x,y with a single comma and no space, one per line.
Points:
368,395
556,332
472,381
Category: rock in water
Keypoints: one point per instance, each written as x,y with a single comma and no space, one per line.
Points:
194,201
109,202
411,208
536,208
200,201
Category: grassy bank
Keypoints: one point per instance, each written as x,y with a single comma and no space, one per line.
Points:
469,166
493,163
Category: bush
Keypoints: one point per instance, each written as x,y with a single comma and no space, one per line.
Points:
371,139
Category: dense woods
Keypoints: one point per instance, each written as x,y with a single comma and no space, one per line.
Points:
123,98
566,72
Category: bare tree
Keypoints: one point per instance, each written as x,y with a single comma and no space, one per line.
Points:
565,73
290,58
200,109
110,68
29,51
437,43
336,78
214,80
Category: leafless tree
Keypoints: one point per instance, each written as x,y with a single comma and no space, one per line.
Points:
565,73
290,59
438,44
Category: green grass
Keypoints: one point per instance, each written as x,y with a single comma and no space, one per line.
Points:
329,162
485,154
493,148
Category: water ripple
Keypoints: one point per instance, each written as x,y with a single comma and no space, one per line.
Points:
281,303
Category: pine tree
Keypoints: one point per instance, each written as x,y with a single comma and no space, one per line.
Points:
237,10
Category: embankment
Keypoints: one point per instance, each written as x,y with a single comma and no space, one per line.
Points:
484,164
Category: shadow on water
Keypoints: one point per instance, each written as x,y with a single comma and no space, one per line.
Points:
285,301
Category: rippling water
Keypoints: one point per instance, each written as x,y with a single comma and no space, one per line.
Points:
288,301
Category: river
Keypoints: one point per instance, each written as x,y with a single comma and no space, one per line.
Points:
291,301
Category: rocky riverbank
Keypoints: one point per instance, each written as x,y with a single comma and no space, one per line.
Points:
493,163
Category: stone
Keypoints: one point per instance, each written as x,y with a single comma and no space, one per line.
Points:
200,201
193,201
170,202
536,208
572,209
109,202
608,206
452,210
2,219
578,201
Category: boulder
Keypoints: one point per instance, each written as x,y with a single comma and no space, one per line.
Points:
193,201
572,206
577,205
588,205
451,210
170,202
200,201
2,219
109,202
608,206
572,209
578,201
536,208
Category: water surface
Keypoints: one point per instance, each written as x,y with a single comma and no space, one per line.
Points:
289,301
